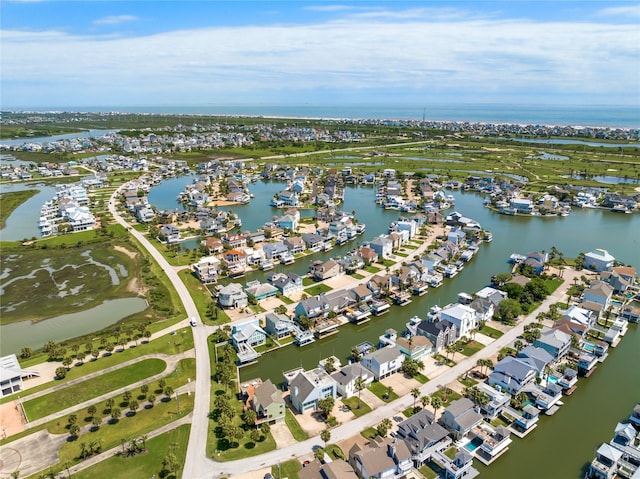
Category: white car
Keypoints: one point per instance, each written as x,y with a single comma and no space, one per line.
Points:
193,322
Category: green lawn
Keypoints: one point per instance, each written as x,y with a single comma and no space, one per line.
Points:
143,422
421,378
294,426
428,473
318,289
357,276
372,269
468,382
306,281
381,390
86,390
199,293
143,465
352,403
288,469
491,332
335,452
471,348
369,433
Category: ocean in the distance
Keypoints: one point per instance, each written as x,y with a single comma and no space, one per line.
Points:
569,115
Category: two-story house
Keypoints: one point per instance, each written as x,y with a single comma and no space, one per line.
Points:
460,417
383,362
381,458
308,387
346,378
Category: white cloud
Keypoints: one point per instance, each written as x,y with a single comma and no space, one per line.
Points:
626,11
115,19
328,8
510,58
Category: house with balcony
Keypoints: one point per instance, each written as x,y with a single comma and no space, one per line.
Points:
206,270
235,260
295,244
260,291
11,375
494,442
233,240
313,241
286,283
383,362
278,325
336,469
245,337
441,333
598,260
321,270
275,251
462,316
460,417
497,400
598,292
346,377
169,234
308,387
381,458
213,245
587,364
512,374
382,246
461,466
553,341
423,437
548,396
268,403
232,296
605,464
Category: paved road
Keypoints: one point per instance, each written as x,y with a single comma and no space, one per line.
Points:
196,450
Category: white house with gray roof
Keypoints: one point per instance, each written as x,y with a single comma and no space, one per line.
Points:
308,387
383,362
554,341
460,417
598,260
423,436
346,378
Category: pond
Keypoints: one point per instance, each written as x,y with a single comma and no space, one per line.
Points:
16,336
23,221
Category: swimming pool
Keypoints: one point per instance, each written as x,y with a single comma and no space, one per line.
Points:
473,444
589,347
552,379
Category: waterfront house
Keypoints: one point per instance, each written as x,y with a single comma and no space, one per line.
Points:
232,296
286,283
245,337
620,278
492,294
362,293
260,291
313,241
206,270
169,234
554,341
605,464
410,226
538,358
548,396
587,362
415,347
275,251
320,270
495,442
268,404
536,260
635,416
460,417
368,255
287,222
630,313
383,362
312,307
497,400
578,315
381,458
235,260
231,240
294,244
462,316
440,333
457,468
308,387
483,308
512,374
382,246
255,237
278,325
598,292
598,260
213,245
423,436
346,379
522,205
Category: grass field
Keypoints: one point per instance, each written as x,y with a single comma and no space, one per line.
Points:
294,426
143,465
352,403
318,289
86,390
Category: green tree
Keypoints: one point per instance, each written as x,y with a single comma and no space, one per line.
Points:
25,353
61,373
424,400
74,429
383,428
152,399
329,365
359,384
326,406
115,414
508,310
249,417
325,436
436,403
91,410
415,394
133,406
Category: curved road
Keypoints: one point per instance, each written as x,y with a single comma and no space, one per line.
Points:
199,466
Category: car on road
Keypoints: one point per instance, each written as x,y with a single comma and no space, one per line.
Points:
193,322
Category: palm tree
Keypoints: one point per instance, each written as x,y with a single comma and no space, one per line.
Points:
424,400
436,403
415,393
325,436
518,345
389,391
359,385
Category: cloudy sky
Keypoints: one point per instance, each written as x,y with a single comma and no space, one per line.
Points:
164,53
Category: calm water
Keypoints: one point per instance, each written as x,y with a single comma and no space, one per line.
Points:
600,115
69,136
15,336
23,221
559,141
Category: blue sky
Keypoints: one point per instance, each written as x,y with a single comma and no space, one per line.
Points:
164,53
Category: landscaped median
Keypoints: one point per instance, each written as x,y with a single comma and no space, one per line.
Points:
86,390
